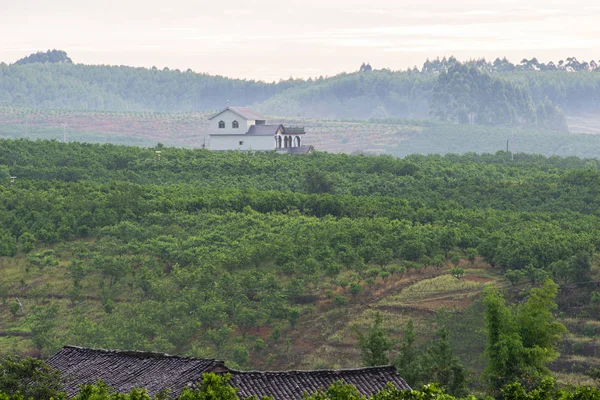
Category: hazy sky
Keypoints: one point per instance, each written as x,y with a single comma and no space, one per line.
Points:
270,39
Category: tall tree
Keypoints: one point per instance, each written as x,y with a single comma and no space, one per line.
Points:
522,340
374,344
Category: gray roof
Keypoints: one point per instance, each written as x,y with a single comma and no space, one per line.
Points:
294,130
124,370
243,112
263,130
292,385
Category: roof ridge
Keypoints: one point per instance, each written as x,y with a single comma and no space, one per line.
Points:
141,353
317,371
244,112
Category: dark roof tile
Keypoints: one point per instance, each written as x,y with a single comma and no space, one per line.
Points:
292,385
124,370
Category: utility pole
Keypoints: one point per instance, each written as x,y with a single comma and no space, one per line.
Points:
64,132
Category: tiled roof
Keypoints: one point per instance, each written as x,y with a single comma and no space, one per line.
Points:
294,130
263,130
292,385
124,370
243,112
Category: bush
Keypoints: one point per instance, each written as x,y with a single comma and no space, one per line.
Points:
457,272
355,288
340,300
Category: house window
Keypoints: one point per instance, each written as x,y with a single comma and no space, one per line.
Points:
241,142
235,124
221,124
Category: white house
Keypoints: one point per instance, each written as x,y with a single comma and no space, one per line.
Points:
240,128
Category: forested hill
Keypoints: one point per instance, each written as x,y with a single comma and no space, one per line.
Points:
530,90
120,88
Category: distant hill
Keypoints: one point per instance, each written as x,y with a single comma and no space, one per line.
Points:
50,80
50,56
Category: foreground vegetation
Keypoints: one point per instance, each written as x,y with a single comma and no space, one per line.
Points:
32,379
267,260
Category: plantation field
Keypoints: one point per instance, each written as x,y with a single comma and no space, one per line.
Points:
272,261
395,136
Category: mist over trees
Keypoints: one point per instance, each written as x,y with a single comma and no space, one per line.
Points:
468,95
499,92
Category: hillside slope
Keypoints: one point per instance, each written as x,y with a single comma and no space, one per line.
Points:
268,260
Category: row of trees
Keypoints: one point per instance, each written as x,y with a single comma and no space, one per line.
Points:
501,65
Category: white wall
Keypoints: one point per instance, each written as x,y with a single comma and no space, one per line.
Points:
293,140
232,142
228,117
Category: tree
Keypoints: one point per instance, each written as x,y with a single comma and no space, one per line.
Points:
293,315
14,307
504,348
50,56
535,275
213,387
27,242
471,255
521,341
374,344
409,359
561,270
457,272
340,300
443,367
355,288
43,320
317,181
538,327
30,378
337,391
580,266
413,250
455,259
514,276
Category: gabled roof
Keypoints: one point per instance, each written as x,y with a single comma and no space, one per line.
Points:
292,385
264,130
243,112
124,370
